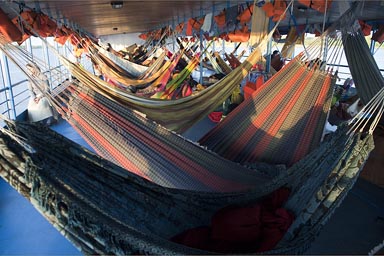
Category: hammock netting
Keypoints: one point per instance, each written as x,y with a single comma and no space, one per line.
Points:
102,208
177,115
281,122
361,63
133,69
153,184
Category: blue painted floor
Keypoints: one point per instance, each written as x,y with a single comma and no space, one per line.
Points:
23,230
355,228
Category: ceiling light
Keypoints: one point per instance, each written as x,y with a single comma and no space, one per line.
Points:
117,4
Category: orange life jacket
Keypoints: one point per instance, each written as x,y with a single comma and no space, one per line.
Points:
45,26
63,34
194,24
179,28
279,9
246,15
220,19
240,35
143,36
157,34
365,28
9,30
318,5
275,10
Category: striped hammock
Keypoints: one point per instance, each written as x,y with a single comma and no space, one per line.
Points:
104,209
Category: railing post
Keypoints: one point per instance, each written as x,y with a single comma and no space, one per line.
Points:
8,85
201,48
47,62
269,49
372,47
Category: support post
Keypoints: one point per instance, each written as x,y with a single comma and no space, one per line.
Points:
11,110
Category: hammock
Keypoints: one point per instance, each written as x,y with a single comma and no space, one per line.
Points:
175,114
108,126
134,69
133,142
179,114
103,209
110,70
362,65
115,71
281,122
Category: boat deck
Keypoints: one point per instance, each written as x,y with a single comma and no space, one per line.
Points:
356,227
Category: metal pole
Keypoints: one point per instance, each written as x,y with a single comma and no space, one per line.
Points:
201,49
48,62
8,85
372,46
213,24
28,44
174,35
269,49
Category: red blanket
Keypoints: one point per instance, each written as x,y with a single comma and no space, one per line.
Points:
254,228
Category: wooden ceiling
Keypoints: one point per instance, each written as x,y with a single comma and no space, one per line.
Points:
99,18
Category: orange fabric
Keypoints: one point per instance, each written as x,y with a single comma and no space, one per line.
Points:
378,36
39,23
264,115
157,34
365,28
279,9
143,36
179,28
25,24
45,26
9,30
220,19
248,89
271,133
308,132
275,10
251,87
28,19
319,5
194,24
61,35
240,35
197,23
246,15
189,30
268,9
